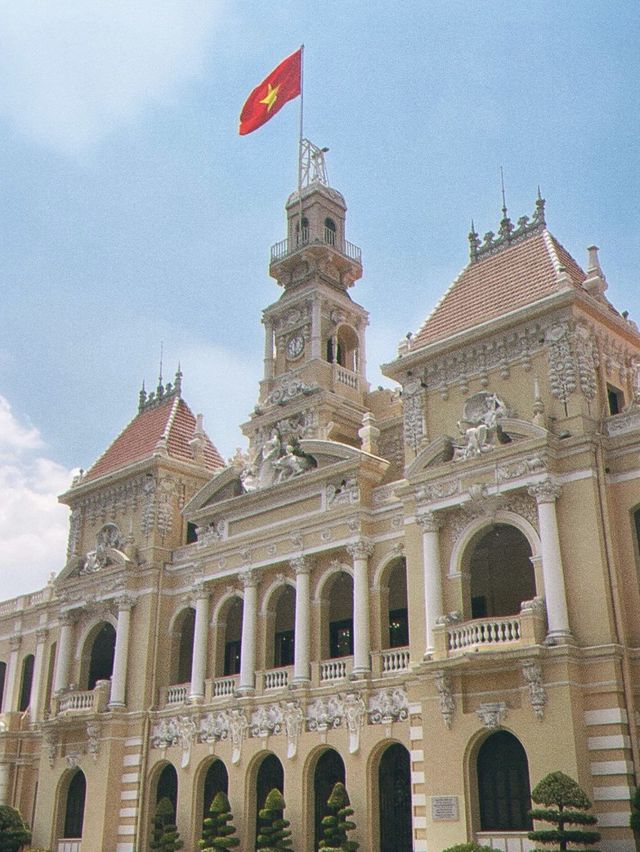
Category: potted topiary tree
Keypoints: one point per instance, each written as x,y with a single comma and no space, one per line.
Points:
14,832
274,831
166,837
468,847
217,828
336,824
565,804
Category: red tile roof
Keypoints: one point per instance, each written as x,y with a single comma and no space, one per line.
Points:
514,276
171,419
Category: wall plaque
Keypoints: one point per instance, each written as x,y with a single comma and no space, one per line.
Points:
444,808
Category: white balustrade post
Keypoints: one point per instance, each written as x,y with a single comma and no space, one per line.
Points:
8,698
546,494
121,653
200,633
302,633
433,603
63,659
360,551
36,682
248,639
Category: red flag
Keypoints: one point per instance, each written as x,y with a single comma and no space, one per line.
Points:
282,85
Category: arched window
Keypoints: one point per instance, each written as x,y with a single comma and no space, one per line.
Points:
185,626
102,651
3,673
284,638
503,784
270,775
329,769
215,781
232,633
636,523
502,575
302,239
396,601
330,232
167,786
341,616
74,806
394,790
26,682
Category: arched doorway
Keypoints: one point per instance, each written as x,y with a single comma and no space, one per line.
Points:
230,637
167,786
74,802
504,793
501,572
340,639
394,791
216,781
184,627
270,775
284,635
329,769
26,682
102,652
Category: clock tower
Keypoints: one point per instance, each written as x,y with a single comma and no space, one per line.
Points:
314,383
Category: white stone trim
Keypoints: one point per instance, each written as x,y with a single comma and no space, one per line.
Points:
417,778
415,734
133,741
612,742
132,760
417,755
127,795
610,716
126,829
128,812
621,793
612,767
131,778
614,819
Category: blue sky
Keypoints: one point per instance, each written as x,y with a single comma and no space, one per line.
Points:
132,212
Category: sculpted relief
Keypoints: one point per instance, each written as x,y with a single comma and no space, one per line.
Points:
480,425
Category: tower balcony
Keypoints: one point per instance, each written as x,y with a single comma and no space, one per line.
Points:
346,256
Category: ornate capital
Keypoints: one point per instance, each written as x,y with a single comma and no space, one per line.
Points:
492,714
125,602
249,579
300,565
360,549
66,618
546,491
429,521
15,641
41,635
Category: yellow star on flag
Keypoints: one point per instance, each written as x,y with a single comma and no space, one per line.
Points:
271,96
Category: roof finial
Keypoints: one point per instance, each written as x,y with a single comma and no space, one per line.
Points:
142,397
160,388
506,225
538,216
177,382
474,242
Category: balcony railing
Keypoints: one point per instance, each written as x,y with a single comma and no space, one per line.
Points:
345,377
394,660
177,694
224,687
77,701
69,846
336,669
508,841
276,678
491,634
286,247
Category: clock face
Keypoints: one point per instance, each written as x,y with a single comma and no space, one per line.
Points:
295,345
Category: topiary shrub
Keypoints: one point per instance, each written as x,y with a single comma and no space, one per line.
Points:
274,832
216,829
14,832
166,837
468,847
565,803
336,825
634,819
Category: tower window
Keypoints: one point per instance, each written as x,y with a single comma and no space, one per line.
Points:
302,238
330,232
615,398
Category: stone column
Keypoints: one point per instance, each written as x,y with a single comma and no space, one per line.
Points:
433,604
121,653
546,494
11,677
268,348
63,658
5,775
248,639
200,634
316,329
302,634
36,683
360,551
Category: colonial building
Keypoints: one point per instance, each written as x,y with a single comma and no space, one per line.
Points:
430,593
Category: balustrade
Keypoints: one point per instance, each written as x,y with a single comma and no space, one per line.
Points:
276,678
177,694
394,660
507,841
69,846
496,631
345,377
85,700
338,669
224,687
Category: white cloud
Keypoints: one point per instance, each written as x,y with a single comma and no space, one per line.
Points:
33,525
72,70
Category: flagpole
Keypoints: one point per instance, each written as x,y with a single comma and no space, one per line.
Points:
301,134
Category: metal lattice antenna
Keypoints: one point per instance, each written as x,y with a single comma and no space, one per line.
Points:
313,168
